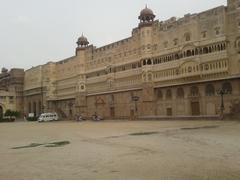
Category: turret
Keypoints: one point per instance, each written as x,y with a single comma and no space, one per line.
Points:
82,43
233,4
146,18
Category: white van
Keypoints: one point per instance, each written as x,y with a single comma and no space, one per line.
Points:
48,117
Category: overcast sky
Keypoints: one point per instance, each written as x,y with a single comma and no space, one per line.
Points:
33,32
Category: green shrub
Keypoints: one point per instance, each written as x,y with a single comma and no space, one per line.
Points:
7,119
32,118
11,113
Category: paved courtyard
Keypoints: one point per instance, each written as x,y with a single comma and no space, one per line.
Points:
126,150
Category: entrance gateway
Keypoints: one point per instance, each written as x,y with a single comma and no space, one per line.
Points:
195,108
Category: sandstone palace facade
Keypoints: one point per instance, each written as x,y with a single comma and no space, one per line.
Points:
165,68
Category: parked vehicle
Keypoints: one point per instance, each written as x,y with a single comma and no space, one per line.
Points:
95,117
48,117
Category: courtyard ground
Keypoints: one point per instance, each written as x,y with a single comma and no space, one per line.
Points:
120,150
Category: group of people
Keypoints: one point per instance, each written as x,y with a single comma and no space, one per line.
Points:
79,118
95,117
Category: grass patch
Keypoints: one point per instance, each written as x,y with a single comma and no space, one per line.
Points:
203,127
57,144
52,144
143,133
28,146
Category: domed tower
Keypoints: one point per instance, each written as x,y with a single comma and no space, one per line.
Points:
145,30
146,17
82,42
146,36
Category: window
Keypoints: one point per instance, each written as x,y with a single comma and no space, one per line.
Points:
159,94
169,94
149,62
165,44
194,91
187,37
175,42
227,87
210,90
180,93
204,34
217,30
189,53
29,108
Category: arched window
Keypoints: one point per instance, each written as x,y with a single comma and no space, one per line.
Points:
175,42
180,93
227,87
144,62
187,37
159,94
169,94
189,53
210,90
29,108
194,91
196,51
205,50
176,56
149,62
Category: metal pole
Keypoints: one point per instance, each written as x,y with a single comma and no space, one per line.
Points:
222,93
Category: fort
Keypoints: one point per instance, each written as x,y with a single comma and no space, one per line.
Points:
171,68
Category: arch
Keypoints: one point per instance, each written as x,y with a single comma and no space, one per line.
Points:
144,62
205,50
209,90
222,47
215,48
180,93
210,49
194,91
196,51
193,52
227,87
187,36
176,56
29,107
159,94
155,61
1,112
169,94
237,43
149,62
189,53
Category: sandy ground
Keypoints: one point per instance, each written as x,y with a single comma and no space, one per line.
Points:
122,150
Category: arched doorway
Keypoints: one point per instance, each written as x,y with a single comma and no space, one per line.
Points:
1,112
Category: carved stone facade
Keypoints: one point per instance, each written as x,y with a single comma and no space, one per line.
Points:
175,67
11,90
